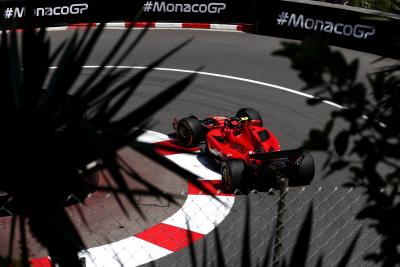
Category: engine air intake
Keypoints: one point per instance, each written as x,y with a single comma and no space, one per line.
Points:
240,148
264,135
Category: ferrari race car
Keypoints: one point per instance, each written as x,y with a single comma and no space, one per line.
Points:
244,149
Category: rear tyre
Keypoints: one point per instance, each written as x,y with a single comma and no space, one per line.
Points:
207,152
306,171
249,112
232,172
189,131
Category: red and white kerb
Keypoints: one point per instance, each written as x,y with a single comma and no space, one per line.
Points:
200,214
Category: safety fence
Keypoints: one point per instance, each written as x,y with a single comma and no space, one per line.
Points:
334,226
333,229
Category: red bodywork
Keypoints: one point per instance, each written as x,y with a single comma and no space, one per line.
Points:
234,141
238,138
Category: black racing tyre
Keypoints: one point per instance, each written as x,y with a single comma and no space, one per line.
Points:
249,112
232,172
306,171
189,131
207,152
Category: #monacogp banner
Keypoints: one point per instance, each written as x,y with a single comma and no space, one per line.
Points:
363,30
56,12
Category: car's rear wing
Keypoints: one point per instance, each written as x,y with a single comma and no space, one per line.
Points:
284,154
296,164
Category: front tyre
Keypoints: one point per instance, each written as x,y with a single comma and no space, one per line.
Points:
232,172
189,131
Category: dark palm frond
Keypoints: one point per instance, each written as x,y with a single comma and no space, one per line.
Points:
82,216
96,97
67,55
284,264
300,251
267,254
24,248
150,187
56,53
138,79
55,136
191,246
363,146
50,225
141,114
13,69
246,250
12,236
320,261
149,151
84,88
69,67
112,166
346,258
205,254
219,251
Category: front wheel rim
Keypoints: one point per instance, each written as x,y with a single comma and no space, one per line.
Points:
185,133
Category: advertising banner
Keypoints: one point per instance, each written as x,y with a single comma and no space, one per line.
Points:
217,11
46,13
348,27
339,25
53,12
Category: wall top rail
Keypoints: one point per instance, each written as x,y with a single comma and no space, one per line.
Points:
349,8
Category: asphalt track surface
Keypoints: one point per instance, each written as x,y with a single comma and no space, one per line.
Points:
286,114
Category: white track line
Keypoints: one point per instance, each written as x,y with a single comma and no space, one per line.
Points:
224,76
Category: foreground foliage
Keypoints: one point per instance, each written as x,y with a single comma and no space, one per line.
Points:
54,130
369,145
392,6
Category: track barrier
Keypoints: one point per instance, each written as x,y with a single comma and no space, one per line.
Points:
355,28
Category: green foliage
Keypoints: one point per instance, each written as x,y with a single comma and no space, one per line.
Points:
392,6
369,145
53,129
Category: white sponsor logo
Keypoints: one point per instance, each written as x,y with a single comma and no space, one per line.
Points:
210,8
359,31
19,12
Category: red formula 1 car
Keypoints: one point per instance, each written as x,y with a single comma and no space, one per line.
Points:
245,149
